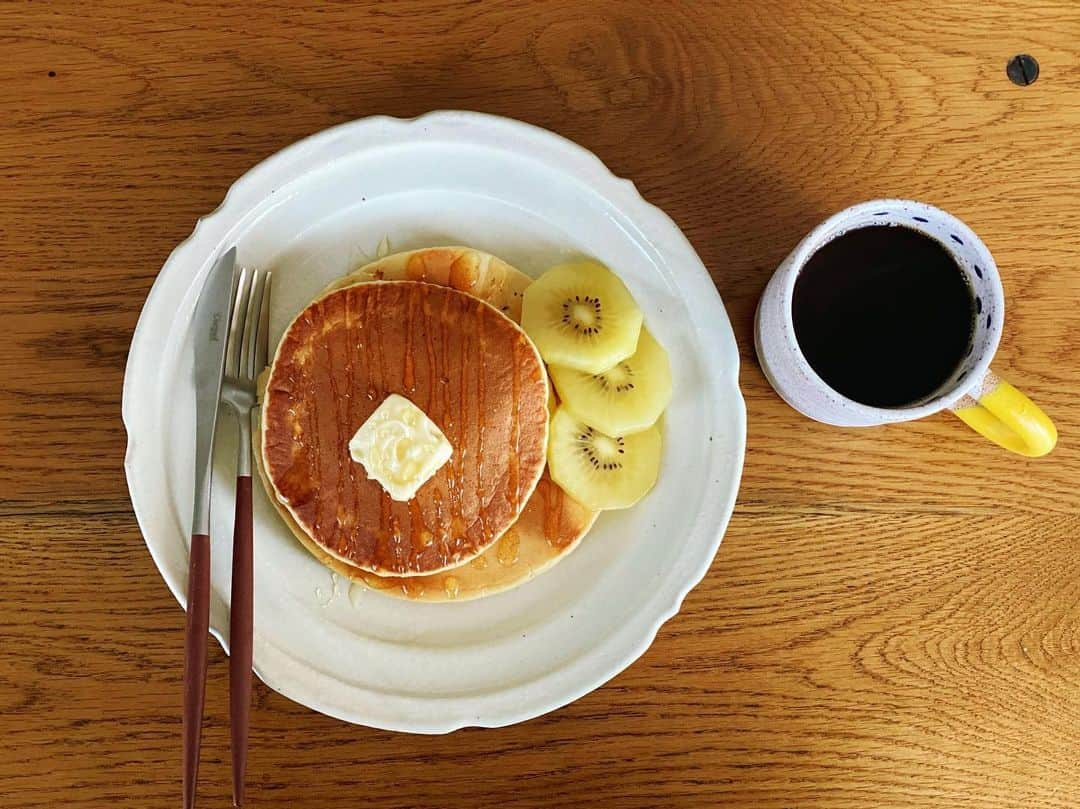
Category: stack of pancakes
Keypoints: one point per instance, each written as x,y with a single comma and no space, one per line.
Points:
439,327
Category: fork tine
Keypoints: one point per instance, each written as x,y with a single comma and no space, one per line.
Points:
251,326
236,327
262,341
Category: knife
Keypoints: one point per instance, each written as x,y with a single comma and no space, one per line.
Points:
210,327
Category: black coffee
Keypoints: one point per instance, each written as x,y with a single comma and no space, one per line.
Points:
883,314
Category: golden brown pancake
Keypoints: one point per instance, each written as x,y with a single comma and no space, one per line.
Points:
480,274
473,372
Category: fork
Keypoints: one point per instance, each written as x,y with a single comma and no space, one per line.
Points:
245,358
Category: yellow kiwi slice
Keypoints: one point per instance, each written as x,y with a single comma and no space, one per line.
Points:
581,316
598,470
625,399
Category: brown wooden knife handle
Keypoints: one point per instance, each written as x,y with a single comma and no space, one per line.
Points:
195,641
240,629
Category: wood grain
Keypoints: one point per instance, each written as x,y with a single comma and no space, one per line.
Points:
894,616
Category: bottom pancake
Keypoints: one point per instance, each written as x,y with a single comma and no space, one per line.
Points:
473,272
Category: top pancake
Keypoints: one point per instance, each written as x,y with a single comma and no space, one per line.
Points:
471,369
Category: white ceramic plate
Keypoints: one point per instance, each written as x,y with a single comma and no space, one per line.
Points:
322,207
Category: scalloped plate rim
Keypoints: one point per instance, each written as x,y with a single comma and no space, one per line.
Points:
209,229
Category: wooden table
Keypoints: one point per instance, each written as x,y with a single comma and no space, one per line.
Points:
894,615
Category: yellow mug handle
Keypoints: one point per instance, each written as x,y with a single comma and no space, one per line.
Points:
998,411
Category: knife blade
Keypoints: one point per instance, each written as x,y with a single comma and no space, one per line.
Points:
210,327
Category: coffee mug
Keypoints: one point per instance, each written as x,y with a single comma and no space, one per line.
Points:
982,399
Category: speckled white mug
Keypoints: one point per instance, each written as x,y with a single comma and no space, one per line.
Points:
981,399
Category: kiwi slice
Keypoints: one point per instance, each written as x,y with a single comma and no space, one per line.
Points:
581,316
598,470
625,399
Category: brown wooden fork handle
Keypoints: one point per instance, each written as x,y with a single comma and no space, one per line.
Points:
195,642
240,629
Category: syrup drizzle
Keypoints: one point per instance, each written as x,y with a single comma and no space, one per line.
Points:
457,496
552,496
480,424
349,477
515,436
313,415
410,381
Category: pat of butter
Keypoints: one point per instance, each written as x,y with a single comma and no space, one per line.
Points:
400,447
